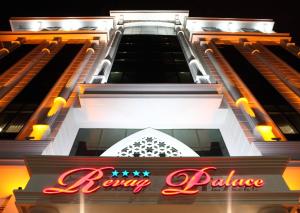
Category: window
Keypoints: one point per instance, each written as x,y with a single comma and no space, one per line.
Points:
150,59
282,113
211,29
51,29
250,30
88,28
94,142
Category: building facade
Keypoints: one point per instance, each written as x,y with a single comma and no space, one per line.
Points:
149,111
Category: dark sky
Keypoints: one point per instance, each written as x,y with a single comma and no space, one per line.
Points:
285,13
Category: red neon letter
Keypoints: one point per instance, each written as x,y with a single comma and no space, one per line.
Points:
259,183
200,178
86,183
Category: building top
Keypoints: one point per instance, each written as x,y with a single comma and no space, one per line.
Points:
133,18
229,25
61,23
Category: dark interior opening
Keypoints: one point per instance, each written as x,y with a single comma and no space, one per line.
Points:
150,59
282,113
285,55
93,142
14,56
19,110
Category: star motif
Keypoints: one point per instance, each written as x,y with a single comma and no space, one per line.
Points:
149,139
115,173
125,149
137,144
149,149
162,154
161,144
136,173
146,173
125,173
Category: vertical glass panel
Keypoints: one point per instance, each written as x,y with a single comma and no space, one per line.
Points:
285,55
150,59
272,101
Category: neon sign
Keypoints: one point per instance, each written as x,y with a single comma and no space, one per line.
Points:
188,184
179,182
91,179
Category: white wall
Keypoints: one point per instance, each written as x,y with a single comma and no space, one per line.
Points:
159,113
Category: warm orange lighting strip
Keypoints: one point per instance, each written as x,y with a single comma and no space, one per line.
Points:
39,131
12,177
58,103
291,177
244,103
266,132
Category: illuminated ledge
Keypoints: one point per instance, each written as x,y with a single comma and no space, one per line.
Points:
149,15
61,23
49,35
173,89
229,24
13,149
235,37
288,148
261,165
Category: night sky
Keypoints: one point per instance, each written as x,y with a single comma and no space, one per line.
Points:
285,13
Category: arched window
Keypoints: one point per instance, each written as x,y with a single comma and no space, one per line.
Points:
149,143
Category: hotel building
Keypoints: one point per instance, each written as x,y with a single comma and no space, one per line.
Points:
148,111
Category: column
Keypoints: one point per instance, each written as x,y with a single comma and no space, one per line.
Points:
256,122
257,53
199,74
14,44
102,71
43,128
291,47
15,79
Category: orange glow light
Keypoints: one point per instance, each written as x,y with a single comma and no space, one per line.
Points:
12,177
291,177
266,132
39,131
243,102
58,103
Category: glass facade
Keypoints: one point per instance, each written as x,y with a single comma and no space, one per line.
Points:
150,59
286,56
282,113
17,113
93,142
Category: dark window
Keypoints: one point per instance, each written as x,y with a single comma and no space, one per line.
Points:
19,110
250,30
93,142
88,28
51,29
13,57
282,113
285,55
211,29
150,59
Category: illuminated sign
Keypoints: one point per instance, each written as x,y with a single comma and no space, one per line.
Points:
190,179
88,181
184,181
